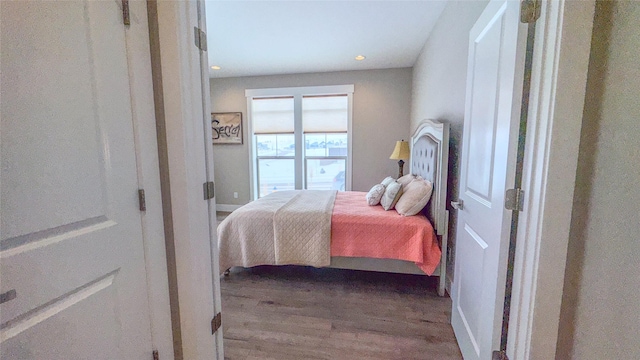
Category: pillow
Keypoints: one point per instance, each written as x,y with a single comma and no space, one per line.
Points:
391,195
414,197
388,180
375,194
405,180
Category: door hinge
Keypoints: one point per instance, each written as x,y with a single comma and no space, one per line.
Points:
200,38
155,354
126,16
142,200
216,322
499,355
530,11
514,199
208,189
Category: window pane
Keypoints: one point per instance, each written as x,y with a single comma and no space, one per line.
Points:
337,144
286,145
276,145
266,145
315,144
326,174
275,175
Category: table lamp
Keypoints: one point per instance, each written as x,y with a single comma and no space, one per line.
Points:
399,153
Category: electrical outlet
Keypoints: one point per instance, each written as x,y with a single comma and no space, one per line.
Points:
235,195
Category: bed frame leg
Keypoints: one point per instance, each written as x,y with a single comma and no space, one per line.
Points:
442,281
441,286
227,272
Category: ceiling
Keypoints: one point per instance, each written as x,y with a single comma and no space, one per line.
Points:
247,38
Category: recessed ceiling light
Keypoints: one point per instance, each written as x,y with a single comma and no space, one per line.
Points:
216,67
360,57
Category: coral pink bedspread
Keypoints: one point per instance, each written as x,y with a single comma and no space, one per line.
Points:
360,230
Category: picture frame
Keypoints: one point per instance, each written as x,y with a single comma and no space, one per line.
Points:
226,128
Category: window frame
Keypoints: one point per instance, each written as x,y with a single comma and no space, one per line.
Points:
300,159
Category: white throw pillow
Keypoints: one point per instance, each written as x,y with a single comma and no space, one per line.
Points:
388,180
415,197
391,195
405,180
375,194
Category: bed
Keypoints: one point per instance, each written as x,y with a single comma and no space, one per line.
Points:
339,229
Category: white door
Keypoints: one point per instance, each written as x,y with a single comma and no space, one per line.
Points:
488,150
71,254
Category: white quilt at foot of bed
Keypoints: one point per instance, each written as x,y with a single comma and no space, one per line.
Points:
283,228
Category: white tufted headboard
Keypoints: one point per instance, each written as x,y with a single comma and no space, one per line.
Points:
429,159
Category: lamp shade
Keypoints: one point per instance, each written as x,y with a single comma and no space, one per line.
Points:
401,151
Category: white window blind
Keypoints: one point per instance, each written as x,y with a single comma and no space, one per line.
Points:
325,114
273,115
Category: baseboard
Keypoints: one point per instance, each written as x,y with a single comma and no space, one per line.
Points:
227,207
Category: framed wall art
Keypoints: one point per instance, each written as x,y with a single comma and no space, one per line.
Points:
226,128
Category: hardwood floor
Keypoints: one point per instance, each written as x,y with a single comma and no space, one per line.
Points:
294,313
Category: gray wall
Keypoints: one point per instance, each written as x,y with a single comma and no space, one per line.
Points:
381,116
439,84
600,317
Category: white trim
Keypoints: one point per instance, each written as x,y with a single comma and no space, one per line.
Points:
253,165
299,159
146,147
555,119
304,90
349,172
227,207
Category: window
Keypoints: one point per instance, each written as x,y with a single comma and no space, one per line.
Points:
325,128
273,134
300,138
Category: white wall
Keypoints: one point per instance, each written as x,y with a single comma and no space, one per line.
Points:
381,116
439,80
600,316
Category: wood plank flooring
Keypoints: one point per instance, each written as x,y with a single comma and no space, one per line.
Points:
294,313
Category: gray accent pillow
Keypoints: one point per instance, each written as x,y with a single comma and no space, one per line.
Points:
391,195
375,194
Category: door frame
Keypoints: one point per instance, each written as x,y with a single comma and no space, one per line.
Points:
146,148
208,147
179,103
559,76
